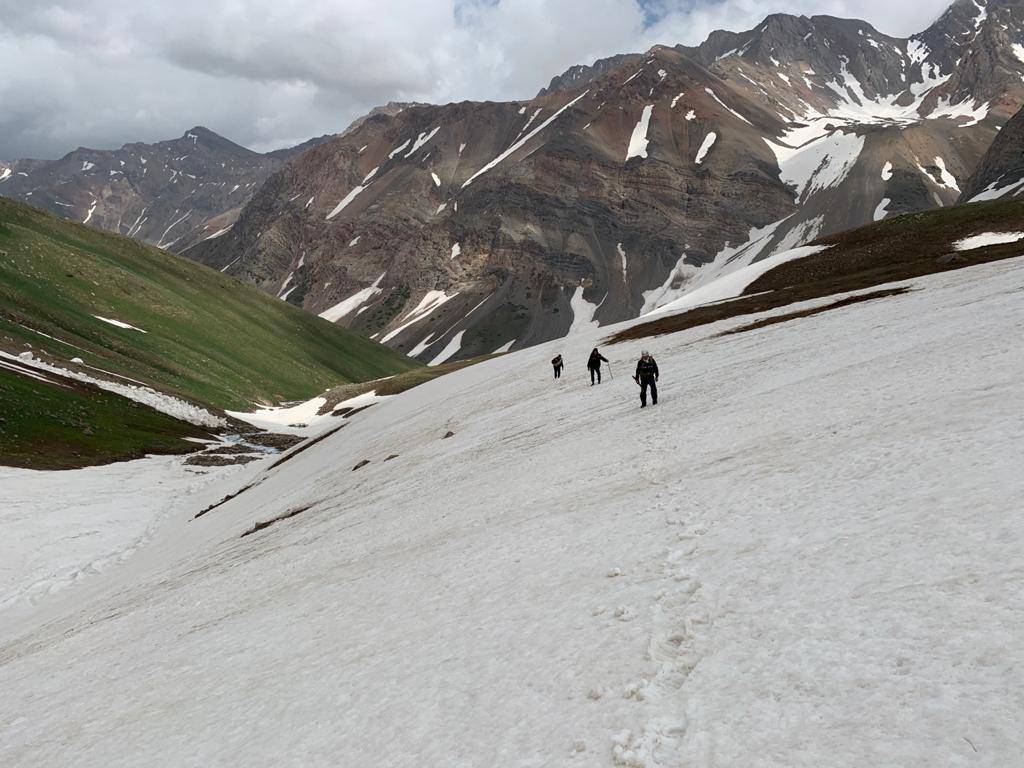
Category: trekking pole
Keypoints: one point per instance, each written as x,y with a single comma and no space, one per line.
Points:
610,372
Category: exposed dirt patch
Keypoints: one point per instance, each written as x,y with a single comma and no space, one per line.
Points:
267,523
220,460
817,310
273,440
361,464
225,500
306,445
349,412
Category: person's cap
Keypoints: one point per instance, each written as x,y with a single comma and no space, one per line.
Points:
645,353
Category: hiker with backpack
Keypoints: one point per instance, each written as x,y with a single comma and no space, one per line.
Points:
647,376
594,365
556,363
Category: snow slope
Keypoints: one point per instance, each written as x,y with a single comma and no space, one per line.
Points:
732,284
55,539
808,554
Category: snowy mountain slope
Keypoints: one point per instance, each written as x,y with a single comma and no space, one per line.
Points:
629,183
114,513
805,554
1001,171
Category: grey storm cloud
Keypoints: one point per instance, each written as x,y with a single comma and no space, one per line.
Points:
270,73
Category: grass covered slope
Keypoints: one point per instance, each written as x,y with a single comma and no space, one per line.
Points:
900,248
63,424
207,337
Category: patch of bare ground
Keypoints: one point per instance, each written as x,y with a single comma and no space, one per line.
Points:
267,523
220,459
273,440
306,445
225,500
859,298
901,248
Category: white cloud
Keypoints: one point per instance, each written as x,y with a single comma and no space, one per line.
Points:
267,73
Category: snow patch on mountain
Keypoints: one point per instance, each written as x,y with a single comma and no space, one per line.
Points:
583,313
421,140
994,192
450,350
353,302
986,239
432,301
713,95
733,284
820,164
522,141
638,140
353,193
881,210
705,147
119,323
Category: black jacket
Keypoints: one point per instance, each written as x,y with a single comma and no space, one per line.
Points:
557,361
646,368
595,360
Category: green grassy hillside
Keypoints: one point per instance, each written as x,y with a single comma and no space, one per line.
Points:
208,337
59,424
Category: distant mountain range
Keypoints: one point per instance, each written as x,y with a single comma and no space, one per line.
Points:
172,194
456,230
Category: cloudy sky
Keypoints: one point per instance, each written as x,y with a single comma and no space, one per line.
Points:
272,73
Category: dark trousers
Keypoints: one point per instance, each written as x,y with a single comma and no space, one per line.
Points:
558,371
645,382
595,372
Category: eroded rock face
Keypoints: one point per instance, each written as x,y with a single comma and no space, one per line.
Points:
172,194
457,230
1001,171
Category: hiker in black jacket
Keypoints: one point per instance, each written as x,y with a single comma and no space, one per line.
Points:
556,363
647,376
594,365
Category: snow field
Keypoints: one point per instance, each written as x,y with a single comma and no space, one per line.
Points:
55,541
806,554
987,238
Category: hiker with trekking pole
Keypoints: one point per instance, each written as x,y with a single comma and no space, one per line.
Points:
594,365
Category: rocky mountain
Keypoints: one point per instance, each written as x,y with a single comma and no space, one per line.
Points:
172,194
1001,171
456,230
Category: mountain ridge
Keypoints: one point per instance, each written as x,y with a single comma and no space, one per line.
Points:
171,193
473,226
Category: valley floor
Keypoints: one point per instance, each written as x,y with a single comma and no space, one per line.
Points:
809,553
